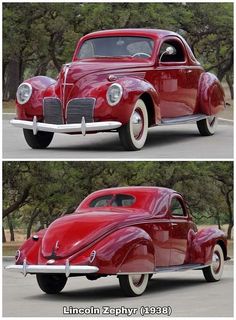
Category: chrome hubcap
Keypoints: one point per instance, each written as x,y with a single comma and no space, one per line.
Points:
215,262
137,279
137,124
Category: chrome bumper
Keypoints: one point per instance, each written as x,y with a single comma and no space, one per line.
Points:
82,127
66,269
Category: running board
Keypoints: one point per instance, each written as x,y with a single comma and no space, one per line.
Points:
183,267
183,119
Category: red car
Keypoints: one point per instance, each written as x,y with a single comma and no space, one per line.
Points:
121,80
130,232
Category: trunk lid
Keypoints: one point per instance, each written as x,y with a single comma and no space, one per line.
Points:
72,233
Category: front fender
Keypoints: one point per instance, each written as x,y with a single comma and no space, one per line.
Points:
34,107
133,88
201,244
210,95
126,250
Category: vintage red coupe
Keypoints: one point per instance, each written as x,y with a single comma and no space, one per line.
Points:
130,232
121,80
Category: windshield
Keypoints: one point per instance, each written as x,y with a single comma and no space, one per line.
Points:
118,200
138,47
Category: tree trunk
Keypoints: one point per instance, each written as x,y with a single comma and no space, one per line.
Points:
12,80
31,221
229,231
11,228
4,240
230,84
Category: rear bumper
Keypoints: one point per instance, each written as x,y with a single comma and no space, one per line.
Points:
66,269
82,127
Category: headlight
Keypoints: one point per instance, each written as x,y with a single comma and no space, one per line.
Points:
114,94
24,93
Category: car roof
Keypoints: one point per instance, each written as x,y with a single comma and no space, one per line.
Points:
136,189
154,33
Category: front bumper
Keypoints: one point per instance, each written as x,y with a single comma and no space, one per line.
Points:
66,269
82,127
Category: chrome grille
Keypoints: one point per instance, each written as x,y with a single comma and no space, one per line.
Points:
52,110
78,108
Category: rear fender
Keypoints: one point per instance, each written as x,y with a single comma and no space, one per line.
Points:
210,95
30,250
201,244
126,250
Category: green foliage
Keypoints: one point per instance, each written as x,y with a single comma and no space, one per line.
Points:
42,36
58,187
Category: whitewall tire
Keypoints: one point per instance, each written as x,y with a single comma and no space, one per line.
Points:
214,271
207,127
133,135
133,284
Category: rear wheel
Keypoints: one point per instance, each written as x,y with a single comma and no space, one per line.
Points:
51,283
133,135
207,127
133,284
39,141
214,271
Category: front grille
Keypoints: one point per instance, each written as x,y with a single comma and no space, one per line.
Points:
52,110
78,108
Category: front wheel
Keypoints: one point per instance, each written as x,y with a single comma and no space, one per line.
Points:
133,284
39,141
133,135
207,127
51,283
214,271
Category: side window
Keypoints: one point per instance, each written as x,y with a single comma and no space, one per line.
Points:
177,56
176,208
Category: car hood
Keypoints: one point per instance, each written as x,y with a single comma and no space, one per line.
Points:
72,233
76,70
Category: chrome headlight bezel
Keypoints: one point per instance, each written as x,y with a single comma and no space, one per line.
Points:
111,90
19,92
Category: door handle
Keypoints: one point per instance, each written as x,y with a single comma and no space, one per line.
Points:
174,224
189,71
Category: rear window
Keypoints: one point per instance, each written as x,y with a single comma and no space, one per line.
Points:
117,200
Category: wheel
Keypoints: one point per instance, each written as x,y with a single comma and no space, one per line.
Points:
51,283
133,284
207,127
134,134
150,276
214,271
39,141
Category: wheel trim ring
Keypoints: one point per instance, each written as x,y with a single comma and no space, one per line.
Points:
211,121
216,262
137,112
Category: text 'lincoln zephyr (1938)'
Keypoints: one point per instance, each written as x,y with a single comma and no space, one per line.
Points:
124,80
131,233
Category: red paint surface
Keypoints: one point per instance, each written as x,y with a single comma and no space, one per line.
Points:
137,238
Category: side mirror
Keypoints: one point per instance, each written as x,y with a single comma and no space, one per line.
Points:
169,51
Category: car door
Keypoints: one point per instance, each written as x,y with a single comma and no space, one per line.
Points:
179,229
177,96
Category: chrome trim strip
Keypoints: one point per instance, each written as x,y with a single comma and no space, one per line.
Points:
183,119
66,128
67,269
